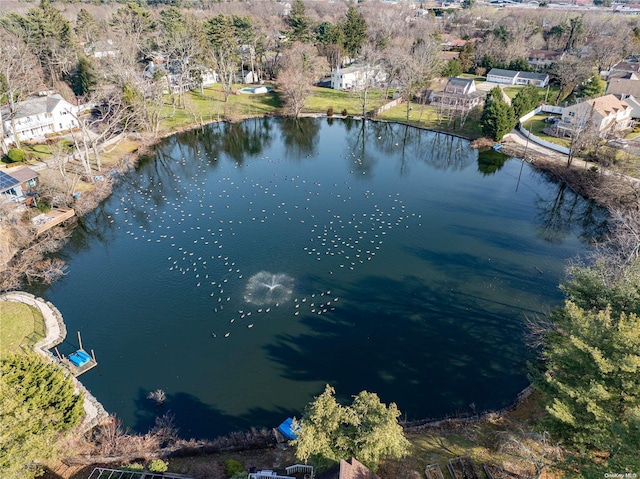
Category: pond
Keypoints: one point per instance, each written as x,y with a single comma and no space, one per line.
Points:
243,266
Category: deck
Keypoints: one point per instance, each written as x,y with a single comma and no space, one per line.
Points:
78,364
104,473
51,218
463,468
494,471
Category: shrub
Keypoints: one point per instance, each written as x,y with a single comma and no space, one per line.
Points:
43,207
240,475
134,466
330,111
232,467
344,112
158,465
16,155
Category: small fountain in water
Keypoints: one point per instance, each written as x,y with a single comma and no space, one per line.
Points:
268,288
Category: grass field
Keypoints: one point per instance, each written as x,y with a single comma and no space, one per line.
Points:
323,98
210,106
426,117
20,325
536,124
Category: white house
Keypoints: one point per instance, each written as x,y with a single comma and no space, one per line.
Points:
512,77
606,113
36,118
459,94
247,77
101,49
356,76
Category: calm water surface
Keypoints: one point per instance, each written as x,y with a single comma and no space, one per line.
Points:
244,266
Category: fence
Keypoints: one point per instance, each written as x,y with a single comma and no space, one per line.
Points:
538,140
306,469
387,106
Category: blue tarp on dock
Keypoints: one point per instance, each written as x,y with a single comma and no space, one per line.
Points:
79,358
286,428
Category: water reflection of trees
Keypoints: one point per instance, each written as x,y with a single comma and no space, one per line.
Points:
491,161
566,211
408,144
300,136
438,150
238,141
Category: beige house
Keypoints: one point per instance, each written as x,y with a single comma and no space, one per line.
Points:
607,113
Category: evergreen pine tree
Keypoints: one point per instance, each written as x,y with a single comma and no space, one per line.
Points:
497,117
355,31
38,403
299,23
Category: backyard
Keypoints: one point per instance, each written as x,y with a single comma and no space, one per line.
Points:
21,326
536,124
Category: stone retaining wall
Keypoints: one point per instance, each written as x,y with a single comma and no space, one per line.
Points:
468,419
56,331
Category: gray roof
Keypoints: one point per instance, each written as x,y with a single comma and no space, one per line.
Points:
34,106
457,81
533,76
621,87
24,174
356,68
503,73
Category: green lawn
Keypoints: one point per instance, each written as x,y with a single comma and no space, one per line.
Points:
426,117
323,98
210,106
20,325
43,151
536,124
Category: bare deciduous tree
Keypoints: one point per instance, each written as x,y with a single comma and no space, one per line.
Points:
569,72
20,76
416,67
301,66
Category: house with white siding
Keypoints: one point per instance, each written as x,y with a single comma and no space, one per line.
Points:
512,77
458,94
356,76
37,118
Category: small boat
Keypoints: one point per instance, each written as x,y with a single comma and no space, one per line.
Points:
497,146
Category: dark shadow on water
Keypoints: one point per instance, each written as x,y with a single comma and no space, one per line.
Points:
195,419
436,357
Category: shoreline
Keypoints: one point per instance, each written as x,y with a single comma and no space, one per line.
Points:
56,332
95,413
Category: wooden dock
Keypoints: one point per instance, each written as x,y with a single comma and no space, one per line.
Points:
463,468
51,218
83,368
79,362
